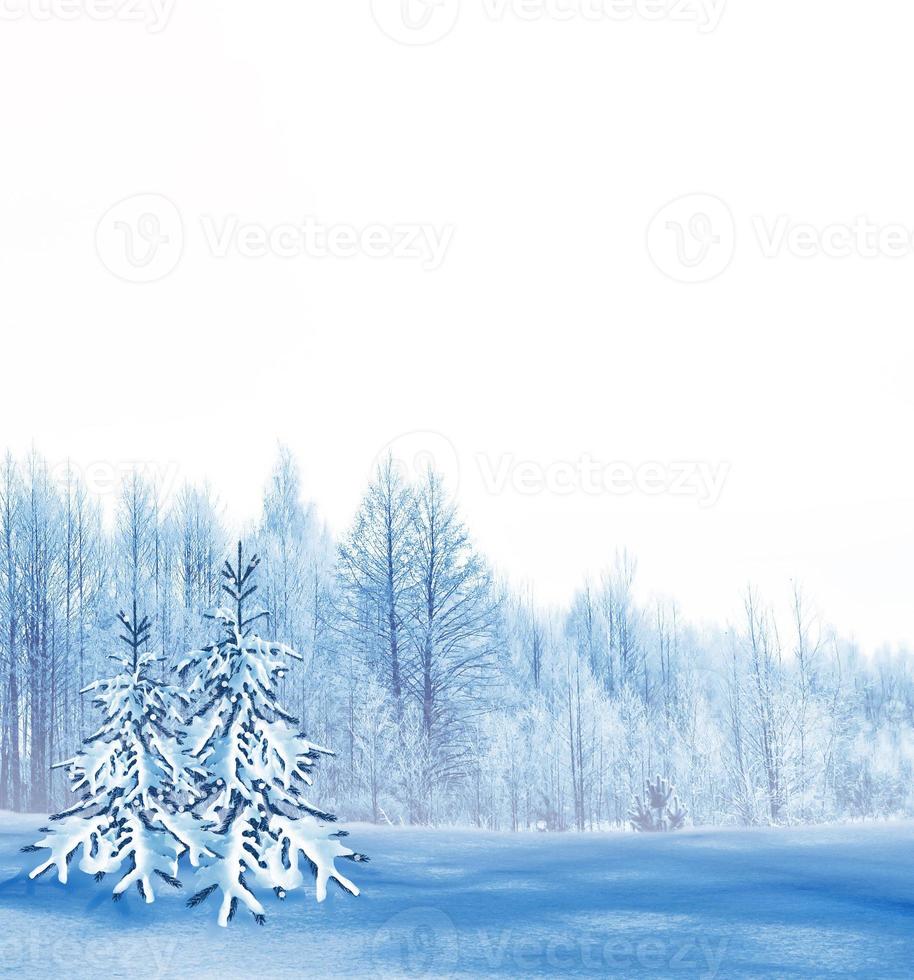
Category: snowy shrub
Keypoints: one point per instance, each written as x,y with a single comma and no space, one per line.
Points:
253,768
658,809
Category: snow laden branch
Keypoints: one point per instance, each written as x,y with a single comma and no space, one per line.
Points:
127,777
253,767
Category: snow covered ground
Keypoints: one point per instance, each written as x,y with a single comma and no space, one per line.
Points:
810,902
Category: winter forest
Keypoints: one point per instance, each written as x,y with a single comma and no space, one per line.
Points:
447,698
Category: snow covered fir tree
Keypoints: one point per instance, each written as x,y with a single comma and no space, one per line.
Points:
253,766
128,777
215,775
658,809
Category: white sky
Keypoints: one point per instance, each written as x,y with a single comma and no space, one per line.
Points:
548,334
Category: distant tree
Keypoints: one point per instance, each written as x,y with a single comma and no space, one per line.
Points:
190,550
377,587
452,632
11,788
286,541
41,580
658,810
136,540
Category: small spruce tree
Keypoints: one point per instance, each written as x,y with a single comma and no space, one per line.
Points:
128,777
658,810
254,766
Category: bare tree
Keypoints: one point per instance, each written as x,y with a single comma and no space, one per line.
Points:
377,587
11,795
452,632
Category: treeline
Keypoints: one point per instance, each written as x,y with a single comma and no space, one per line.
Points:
447,698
